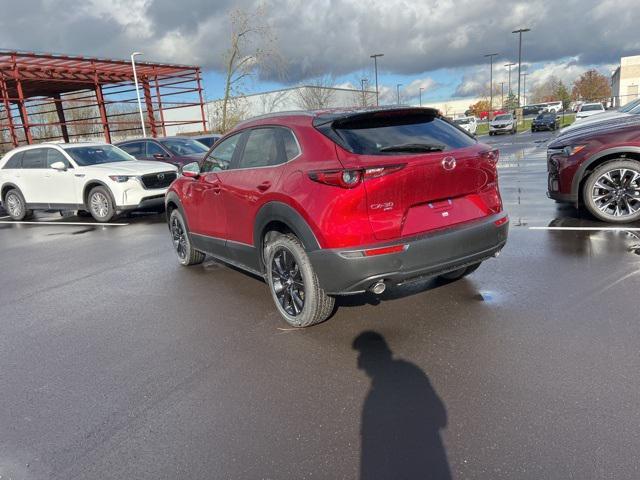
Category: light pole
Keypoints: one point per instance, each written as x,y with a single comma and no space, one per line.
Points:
502,95
135,79
520,32
491,55
524,87
375,67
420,93
398,85
509,65
364,93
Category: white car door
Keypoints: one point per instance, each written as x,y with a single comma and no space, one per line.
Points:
60,185
32,176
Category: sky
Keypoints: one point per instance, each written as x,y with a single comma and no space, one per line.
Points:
438,45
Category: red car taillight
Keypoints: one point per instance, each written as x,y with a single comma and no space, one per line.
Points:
349,178
491,155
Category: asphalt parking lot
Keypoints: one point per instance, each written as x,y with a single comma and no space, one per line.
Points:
115,362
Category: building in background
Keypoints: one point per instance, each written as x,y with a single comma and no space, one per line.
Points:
625,81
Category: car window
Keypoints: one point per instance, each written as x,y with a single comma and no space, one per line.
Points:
154,149
261,149
221,156
35,158
376,135
291,148
591,108
183,146
54,156
134,148
503,117
98,154
632,106
15,161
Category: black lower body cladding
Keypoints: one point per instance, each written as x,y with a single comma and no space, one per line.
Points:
427,255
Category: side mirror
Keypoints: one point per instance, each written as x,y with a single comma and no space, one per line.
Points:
60,166
159,156
191,170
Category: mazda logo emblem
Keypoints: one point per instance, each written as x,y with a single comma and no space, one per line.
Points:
448,163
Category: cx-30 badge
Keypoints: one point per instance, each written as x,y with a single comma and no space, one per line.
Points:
448,163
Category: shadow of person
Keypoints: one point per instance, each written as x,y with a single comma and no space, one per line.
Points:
401,418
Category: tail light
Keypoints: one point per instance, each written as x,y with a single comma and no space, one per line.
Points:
349,178
491,155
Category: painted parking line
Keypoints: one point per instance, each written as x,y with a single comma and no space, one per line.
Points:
588,229
2,218
84,224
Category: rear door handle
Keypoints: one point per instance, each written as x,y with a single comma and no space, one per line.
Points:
264,186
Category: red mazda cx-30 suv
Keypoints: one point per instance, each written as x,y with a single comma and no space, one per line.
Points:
339,202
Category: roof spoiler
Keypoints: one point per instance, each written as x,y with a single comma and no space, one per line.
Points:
338,118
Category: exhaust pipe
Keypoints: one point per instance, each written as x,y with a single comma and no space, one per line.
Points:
378,287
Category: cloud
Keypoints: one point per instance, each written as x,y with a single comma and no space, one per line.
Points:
333,36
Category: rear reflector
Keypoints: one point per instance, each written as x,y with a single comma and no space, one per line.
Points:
385,250
502,221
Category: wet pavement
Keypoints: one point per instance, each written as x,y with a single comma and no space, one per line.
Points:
115,362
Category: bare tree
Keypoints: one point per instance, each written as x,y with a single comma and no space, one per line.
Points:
316,94
273,101
251,51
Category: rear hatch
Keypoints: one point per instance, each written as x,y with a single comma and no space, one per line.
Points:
420,172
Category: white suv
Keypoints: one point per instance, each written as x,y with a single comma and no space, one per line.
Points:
94,177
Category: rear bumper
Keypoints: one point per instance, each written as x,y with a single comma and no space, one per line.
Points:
427,255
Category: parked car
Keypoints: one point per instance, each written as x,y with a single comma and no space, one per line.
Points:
529,110
208,140
545,121
333,203
94,177
624,112
555,107
485,115
598,167
467,123
589,109
177,151
505,123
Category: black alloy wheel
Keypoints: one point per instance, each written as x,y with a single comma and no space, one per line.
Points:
288,284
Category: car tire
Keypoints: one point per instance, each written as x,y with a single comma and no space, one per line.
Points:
459,273
16,206
100,204
290,274
608,190
187,255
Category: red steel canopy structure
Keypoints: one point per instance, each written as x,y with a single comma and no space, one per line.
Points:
46,97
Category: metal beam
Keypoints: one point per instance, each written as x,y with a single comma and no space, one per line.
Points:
7,107
146,88
63,122
159,97
204,118
103,113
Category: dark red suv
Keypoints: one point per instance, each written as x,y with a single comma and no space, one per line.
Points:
598,166
339,202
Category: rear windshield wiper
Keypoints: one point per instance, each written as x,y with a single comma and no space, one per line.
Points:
413,147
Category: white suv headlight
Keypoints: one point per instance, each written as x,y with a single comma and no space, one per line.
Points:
121,178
